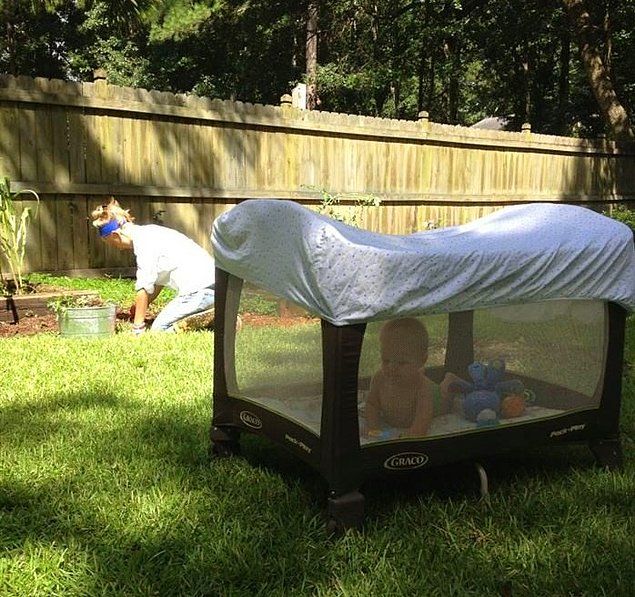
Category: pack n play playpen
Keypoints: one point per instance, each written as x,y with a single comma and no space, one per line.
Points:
518,322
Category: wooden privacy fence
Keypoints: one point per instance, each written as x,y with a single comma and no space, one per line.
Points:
182,160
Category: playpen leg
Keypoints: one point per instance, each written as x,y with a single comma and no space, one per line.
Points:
482,475
345,512
608,453
224,442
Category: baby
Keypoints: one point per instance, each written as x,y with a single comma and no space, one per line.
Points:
400,394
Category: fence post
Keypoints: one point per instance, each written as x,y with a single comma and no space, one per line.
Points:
526,128
423,118
286,103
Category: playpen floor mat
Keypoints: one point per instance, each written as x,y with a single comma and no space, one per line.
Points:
307,411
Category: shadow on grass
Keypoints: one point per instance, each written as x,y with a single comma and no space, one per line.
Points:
132,495
129,496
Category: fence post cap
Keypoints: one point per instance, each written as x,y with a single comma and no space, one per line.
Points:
286,99
99,74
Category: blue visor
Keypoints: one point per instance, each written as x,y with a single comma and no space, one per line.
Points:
108,228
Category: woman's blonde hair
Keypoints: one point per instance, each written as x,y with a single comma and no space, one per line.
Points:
102,214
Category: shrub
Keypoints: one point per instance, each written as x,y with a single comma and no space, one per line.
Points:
625,215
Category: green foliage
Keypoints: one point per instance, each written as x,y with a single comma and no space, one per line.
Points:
623,214
61,304
110,35
178,21
30,32
119,291
254,302
331,205
13,231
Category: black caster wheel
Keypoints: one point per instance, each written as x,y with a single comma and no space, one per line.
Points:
344,512
608,454
334,528
224,450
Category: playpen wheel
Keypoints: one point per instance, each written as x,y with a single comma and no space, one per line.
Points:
334,528
224,449
344,512
608,454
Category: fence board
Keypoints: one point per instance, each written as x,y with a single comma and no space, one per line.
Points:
81,229
60,145
64,236
9,142
49,237
32,253
93,146
26,143
44,145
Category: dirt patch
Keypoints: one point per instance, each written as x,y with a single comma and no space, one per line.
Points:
270,320
40,324
28,326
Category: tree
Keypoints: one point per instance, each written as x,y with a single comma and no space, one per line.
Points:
598,74
111,35
312,54
460,60
32,35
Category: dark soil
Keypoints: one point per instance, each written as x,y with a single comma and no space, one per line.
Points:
38,324
28,326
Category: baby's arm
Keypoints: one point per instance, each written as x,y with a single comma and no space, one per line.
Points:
425,410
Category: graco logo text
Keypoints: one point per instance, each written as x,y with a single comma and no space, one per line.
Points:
250,419
405,460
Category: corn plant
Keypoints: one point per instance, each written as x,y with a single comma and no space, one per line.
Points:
13,231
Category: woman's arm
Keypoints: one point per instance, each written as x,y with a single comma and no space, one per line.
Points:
142,302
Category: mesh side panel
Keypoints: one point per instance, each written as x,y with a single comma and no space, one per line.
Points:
530,362
561,343
279,358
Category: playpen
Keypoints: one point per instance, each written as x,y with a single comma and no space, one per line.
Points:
524,312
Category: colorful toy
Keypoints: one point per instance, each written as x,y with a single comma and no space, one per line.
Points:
513,406
486,418
385,434
479,400
486,391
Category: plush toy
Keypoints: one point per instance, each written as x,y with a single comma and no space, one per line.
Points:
486,391
512,406
486,418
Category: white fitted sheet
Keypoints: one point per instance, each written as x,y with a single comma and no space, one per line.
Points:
520,254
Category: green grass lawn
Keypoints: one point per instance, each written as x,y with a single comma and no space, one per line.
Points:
106,489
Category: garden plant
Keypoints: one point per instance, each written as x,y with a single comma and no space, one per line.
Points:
13,232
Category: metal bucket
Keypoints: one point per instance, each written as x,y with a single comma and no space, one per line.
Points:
87,322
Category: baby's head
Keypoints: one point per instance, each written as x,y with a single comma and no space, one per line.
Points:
403,344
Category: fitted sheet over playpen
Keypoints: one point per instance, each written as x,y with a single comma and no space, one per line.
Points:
516,320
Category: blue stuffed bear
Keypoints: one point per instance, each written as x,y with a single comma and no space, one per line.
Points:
481,400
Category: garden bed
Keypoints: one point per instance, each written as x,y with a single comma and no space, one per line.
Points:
16,308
